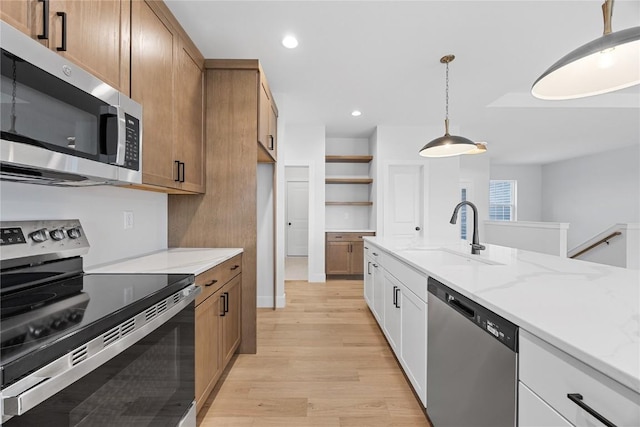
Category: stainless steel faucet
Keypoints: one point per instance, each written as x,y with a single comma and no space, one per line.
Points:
476,247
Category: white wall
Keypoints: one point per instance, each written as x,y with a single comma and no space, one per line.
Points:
400,145
545,237
528,188
305,146
592,192
265,236
474,174
100,211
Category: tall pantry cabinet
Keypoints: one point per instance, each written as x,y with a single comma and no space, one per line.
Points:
226,216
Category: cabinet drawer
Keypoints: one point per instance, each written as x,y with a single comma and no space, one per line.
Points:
214,278
346,237
373,252
411,278
535,412
553,374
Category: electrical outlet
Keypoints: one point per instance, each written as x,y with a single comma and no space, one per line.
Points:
128,220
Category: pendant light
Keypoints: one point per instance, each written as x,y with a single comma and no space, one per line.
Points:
447,145
608,63
481,148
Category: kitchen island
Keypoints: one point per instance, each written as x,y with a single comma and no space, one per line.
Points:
588,312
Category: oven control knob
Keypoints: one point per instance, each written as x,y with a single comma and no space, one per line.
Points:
57,234
39,236
74,233
38,331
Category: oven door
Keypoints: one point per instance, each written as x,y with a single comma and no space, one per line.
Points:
150,383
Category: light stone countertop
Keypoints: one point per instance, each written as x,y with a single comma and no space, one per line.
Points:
172,260
590,311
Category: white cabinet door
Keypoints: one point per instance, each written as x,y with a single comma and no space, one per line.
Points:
413,329
534,412
392,319
378,293
368,281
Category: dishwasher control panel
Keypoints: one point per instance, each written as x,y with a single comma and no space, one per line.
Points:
495,325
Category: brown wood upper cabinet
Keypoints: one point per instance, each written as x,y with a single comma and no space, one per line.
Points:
167,78
92,34
267,124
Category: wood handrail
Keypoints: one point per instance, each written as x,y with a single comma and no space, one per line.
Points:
599,242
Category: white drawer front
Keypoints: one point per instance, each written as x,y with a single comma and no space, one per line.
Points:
535,412
411,278
553,374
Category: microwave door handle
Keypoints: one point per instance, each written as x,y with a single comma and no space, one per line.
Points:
122,136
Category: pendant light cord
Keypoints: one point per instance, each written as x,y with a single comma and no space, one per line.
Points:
446,103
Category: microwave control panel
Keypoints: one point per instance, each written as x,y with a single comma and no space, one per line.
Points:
132,151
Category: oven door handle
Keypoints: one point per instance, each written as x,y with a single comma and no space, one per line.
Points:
59,374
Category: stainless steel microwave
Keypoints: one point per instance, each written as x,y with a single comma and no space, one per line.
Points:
59,124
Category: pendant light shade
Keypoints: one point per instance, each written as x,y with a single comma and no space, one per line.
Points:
481,148
606,64
447,145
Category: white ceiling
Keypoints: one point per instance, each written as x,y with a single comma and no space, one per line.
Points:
382,57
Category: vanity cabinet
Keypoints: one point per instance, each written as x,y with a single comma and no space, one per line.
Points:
217,328
93,34
555,378
167,78
345,254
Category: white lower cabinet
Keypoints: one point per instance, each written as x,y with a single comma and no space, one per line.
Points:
378,293
368,280
413,333
535,412
557,378
392,315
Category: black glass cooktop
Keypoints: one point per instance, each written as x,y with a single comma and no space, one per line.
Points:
41,324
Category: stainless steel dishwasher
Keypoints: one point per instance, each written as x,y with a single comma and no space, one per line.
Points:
472,362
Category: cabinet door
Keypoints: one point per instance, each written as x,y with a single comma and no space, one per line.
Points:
207,348
338,258
26,16
230,316
392,319
272,137
96,37
357,257
413,352
535,412
378,293
189,148
368,281
152,53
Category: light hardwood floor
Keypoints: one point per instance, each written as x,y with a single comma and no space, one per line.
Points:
322,361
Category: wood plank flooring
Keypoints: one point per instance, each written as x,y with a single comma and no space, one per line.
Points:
322,361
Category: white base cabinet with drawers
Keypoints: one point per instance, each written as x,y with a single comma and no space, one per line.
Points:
401,313
549,376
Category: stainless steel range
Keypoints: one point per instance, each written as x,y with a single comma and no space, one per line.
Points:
90,349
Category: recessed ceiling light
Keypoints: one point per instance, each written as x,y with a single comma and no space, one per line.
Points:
290,42
356,113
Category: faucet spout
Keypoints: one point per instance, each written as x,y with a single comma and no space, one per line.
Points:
476,247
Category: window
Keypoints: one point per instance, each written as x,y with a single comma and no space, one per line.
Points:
502,200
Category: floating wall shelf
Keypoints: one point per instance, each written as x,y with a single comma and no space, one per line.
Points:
348,180
348,159
349,203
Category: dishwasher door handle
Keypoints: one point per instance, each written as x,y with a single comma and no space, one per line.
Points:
460,307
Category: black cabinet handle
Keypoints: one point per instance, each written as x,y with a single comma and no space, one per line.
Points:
235,267
45,20
177,163
270,141
577,399
226,302
63,48
213,282
417,228
395,296
375,254
182,177
369,267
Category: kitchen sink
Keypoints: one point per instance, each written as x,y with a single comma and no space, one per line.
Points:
444,257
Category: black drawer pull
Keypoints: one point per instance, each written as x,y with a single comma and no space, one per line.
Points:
271,139
182,176
226,302
375,254
577,399
45,20
395,296
235,267
63,48
213,282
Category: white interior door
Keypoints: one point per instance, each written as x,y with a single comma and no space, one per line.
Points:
297,218
404,207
